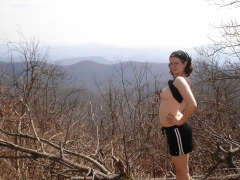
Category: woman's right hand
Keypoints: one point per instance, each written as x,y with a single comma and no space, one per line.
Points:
156,100
157,93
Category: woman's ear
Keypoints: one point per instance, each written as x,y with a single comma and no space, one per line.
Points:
185,63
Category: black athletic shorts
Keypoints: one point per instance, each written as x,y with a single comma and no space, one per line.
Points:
179,139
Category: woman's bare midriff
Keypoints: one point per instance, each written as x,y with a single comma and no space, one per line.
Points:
168,105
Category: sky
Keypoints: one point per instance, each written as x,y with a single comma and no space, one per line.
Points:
128,23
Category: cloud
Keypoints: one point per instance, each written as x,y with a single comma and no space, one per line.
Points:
21,5
119,22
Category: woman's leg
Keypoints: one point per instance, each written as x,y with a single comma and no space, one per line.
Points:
181,167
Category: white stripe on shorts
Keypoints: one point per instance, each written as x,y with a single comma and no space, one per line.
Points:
179,141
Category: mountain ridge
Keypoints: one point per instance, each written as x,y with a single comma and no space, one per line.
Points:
88,72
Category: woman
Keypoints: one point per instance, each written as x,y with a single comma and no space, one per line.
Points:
177,105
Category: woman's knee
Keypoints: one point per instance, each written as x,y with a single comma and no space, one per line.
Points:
182,175
181,170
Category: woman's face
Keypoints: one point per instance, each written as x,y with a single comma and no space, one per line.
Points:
177,67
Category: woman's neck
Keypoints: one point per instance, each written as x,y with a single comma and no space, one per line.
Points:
181,75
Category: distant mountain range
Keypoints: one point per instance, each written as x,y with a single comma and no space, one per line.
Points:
100,53
87,61
97,59
88,73
110,53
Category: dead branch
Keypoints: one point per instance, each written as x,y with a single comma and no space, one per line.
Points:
101,167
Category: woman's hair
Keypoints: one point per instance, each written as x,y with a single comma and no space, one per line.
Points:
183,56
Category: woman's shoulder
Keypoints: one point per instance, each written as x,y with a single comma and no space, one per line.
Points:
182,81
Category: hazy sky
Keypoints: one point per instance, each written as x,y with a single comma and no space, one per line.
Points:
131,23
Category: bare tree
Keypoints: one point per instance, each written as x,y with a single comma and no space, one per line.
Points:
130,121
224,3
217,89
44,125
226,34
217,119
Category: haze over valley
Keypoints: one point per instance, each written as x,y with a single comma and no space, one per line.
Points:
88,63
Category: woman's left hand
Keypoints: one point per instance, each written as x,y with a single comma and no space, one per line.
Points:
174,120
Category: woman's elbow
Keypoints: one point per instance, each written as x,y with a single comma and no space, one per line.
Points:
194,106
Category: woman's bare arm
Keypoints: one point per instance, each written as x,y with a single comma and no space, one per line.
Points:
182,106
185,91
190,102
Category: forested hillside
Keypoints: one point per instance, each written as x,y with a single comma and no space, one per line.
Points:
53,127
90,73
